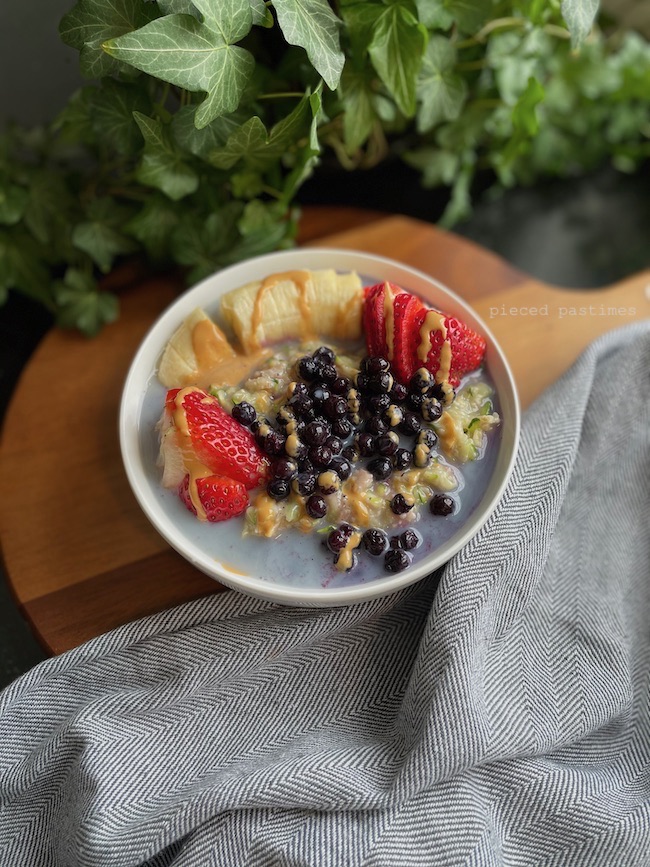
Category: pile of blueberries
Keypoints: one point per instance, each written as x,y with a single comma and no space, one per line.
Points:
329,423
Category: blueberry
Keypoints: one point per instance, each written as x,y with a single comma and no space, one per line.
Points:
366,445
402,459
396,560
415,400
320,456
335,444
431,409
273,443
329,482
427,437
437,391
328,373
324,354
381,383
376,425
381,468
244,413
307,368
316,506
298,388
351,453
301,404
316,432
304,483
398,392
362,381
320,393
410,539
284,468
376,364
338,538
387,444
342,467
341,385
335,406
421,381
410,424
441,504
400,504
375,541
342,428
378,404
279,489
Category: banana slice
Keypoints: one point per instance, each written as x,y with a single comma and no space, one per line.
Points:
196,344
295,305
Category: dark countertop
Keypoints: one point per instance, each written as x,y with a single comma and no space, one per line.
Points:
581,232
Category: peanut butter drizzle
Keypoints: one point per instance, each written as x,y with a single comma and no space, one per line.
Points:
194,468
230,369
300,280
267,515
434,321
354,498
344,561
351,310
209,344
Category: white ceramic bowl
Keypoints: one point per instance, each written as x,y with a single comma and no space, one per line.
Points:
216,548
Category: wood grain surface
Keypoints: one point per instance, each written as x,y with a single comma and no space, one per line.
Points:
81,557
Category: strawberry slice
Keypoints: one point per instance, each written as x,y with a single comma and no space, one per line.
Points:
464,351
220,498
407,310
374,319
217,440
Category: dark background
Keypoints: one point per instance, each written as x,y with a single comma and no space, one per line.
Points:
580,232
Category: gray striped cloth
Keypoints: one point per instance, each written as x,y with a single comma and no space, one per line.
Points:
496,713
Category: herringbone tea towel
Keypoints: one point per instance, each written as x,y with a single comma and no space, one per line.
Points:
495,714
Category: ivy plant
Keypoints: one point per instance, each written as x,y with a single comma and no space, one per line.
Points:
201,119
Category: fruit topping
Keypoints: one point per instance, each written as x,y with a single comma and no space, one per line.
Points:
417,341
220,498
209,435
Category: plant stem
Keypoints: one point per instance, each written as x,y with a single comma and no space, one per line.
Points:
293,93
497,24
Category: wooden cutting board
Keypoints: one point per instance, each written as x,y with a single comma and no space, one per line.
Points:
81,557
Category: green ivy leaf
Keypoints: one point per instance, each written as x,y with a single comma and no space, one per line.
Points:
469,15
360,20
91,22
13,201
193,55
153,227
312,25
162,165
112,115
579,16
100,236
261,14
81,305
524,114
201,142
260,149
437,166
178,7
358,111
433,14
21,266
50,211
441,90
203,244
396,50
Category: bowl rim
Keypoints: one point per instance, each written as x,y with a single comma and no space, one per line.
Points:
140,372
